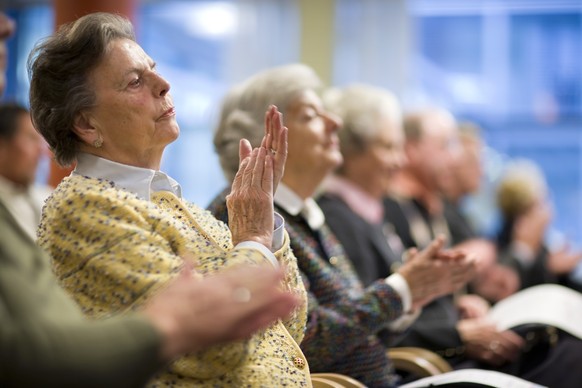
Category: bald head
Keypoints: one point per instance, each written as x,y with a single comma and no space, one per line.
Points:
6,29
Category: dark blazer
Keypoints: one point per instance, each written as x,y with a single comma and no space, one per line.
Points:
344,318
459,226
365,243
435,328
550,362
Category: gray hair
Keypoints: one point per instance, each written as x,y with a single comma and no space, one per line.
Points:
59,69
243,109
416,122
361,107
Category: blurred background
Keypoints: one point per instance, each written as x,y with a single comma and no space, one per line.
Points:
512,66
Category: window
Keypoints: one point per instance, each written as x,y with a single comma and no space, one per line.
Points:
201,48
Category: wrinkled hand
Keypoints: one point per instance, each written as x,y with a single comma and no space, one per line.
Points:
563,261
250,202
193,314
434,272
483,342
274,141
472,306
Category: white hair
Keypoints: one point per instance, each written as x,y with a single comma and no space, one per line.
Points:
243,109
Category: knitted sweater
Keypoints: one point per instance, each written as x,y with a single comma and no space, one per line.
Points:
347,323
112,250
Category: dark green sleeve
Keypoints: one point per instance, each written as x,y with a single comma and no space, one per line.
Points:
45,341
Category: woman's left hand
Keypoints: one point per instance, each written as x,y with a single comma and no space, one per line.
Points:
274,142
250,202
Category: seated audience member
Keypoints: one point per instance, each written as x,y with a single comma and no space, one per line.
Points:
117,228
492,280
345,319
522,197
46,342
21,149
416,211
466,174
372,146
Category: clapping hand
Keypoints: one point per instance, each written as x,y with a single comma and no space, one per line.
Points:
435,272
250,202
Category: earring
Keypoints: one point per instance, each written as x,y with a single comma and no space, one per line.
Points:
98,142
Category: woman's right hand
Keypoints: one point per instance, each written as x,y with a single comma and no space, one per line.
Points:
250,202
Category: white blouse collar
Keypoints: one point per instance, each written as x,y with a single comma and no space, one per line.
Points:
293,204
141,181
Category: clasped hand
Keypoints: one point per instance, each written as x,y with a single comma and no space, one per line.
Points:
434,272
250,202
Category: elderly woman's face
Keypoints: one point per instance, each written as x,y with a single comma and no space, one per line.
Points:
373,169
313,141
134,112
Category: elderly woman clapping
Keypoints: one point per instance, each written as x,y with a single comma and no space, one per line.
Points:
347,322
118,229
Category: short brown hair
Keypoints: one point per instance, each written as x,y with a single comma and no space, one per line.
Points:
59,69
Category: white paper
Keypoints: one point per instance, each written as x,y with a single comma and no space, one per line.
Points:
548,304
485,377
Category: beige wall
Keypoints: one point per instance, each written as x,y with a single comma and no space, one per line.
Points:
317,30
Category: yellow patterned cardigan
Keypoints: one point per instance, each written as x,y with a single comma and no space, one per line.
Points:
112,250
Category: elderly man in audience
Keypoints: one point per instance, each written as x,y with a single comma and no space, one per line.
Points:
457,326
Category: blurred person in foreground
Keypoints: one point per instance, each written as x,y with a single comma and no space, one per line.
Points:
117,228
346,321
457,326
21,149
45,341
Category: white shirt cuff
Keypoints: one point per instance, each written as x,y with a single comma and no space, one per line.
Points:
261,248
404,321
399,284
278,233
277,243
